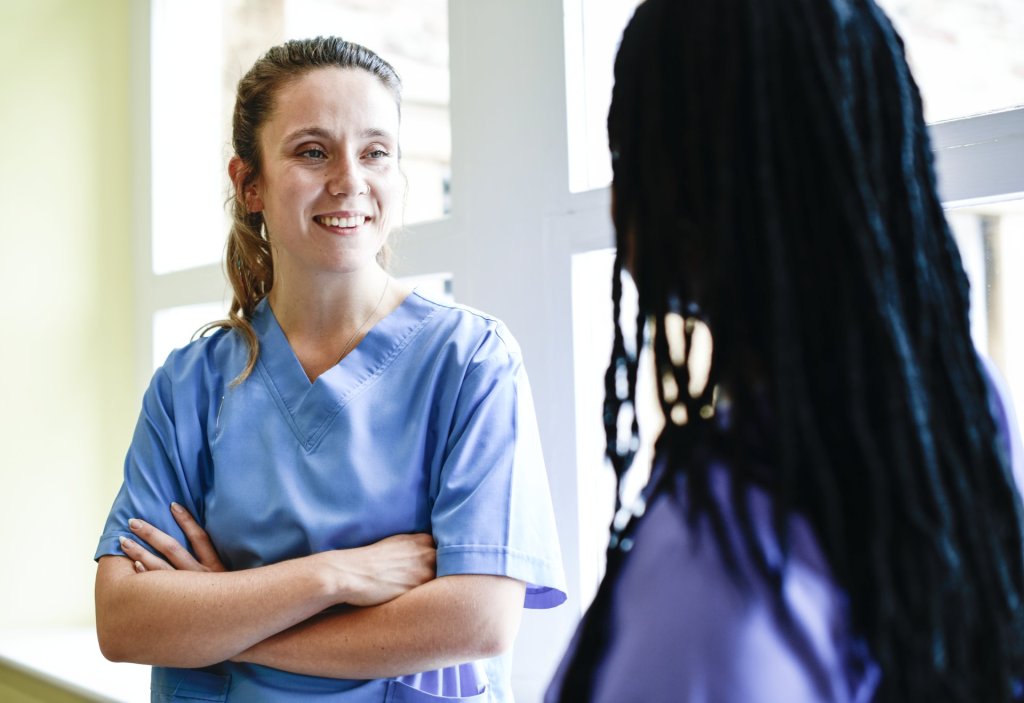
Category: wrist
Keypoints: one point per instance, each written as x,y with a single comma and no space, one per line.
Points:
334,582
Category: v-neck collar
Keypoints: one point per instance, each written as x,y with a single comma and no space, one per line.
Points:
310,407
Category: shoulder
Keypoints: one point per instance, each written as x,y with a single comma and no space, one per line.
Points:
479,334
214,359
681,614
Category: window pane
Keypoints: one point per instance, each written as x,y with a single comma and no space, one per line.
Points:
189,183
175,327
967,56
991,239
193,95
436,286
593,29
592,344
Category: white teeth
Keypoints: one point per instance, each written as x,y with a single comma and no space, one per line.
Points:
354,221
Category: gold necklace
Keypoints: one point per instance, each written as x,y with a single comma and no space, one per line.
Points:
348,344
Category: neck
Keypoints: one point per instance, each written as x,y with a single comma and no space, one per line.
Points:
324,320
325,307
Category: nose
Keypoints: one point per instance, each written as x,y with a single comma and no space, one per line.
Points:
346,178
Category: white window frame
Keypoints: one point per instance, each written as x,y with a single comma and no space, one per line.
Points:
979,158
514,228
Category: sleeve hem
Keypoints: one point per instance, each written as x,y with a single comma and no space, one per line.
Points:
543,585
110,545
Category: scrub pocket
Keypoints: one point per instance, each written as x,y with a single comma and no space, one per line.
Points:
399,692
170,685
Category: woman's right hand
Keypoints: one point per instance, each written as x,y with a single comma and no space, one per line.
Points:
384,570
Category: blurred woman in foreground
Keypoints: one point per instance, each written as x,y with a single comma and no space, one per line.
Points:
832,514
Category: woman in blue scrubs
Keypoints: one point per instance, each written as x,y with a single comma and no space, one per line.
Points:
339,494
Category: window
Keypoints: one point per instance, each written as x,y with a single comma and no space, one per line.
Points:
991,239
592,32
174,327
966,56
592,344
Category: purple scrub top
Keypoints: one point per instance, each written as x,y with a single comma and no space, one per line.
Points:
682,631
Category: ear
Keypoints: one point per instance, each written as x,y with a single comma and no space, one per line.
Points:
248,195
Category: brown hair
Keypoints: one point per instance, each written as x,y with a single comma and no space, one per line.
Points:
248,263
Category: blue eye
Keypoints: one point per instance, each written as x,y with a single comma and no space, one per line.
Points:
314,153
379,154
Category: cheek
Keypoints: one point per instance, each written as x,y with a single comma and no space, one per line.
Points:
391,194
293,190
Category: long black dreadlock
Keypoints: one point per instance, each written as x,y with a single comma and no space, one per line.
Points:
773,178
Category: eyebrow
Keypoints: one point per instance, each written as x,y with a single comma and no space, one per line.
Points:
321,133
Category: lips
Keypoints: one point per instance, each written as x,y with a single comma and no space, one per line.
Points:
343,222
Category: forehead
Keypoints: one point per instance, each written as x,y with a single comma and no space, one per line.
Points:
339,100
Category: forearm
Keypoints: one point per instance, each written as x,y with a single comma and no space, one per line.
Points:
193,619
450,620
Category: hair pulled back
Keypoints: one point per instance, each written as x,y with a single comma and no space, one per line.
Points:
249,265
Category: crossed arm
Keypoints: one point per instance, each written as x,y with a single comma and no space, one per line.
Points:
189,612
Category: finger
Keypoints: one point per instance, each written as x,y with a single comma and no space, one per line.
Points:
141,556
170,548
139,567
197,537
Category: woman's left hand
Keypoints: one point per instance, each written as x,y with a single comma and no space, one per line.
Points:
176,557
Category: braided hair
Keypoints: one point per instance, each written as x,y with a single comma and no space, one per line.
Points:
773,179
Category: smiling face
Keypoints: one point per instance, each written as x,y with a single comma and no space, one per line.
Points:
330,182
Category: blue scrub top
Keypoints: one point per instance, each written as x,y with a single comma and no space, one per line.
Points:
426,426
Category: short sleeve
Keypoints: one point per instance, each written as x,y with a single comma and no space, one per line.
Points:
493,512
157,471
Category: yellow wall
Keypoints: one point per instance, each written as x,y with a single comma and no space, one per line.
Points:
68,405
